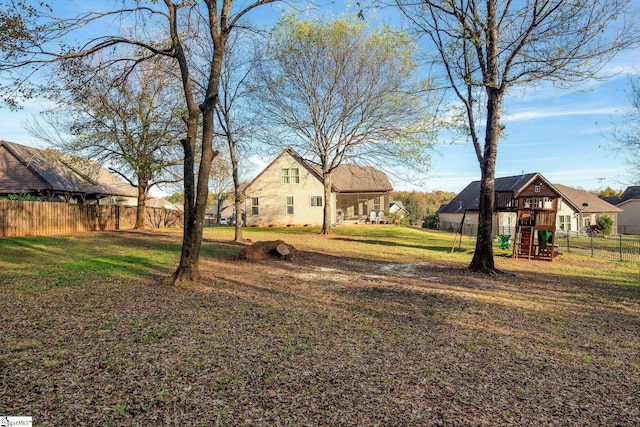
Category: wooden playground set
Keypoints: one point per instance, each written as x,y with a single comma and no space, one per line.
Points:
536,207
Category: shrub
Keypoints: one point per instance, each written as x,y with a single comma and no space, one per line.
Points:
22,197
605,222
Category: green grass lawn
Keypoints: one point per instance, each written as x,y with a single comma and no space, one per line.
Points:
405,244
376,325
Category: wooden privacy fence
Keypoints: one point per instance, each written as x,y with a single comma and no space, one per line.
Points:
18,218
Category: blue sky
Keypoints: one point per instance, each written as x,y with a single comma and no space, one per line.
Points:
562,134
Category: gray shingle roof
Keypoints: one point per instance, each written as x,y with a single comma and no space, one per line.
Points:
631,192
59,172
468,198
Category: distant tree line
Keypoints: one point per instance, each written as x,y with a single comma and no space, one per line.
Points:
422,206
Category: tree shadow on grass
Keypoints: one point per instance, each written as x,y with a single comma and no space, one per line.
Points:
534,285
436,248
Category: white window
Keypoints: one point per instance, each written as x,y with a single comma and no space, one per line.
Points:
255,207
506,224
289,205
565,222
289,176
537,203
376,204
315,201
527,203
536,189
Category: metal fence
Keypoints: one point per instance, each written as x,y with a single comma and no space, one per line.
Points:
620,247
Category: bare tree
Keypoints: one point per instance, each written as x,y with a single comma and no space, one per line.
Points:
232,111
485,48
160,28
132,125
337,91
19,32
220,183
626,134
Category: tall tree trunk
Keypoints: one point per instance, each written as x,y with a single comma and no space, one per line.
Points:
143,190
196,201
237,200
218,208
238,213
483,256
186,270
237,194
189,268
326,219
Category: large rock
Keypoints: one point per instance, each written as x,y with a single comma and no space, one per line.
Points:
262,251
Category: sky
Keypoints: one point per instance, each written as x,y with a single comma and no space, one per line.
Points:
563,134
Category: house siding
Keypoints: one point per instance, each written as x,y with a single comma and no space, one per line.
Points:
580,221
502,223
565,210
272,196
629,218
451,221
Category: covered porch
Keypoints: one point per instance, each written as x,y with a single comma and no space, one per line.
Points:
357,207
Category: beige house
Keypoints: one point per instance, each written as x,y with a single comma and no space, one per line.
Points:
577,209
290,191
629,202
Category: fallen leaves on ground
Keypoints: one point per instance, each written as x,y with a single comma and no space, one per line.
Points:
322,341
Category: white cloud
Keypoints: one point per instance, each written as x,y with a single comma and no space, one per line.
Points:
445,182
536,114
625,63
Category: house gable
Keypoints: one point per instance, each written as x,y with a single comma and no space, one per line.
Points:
538,187
629,218
276,198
